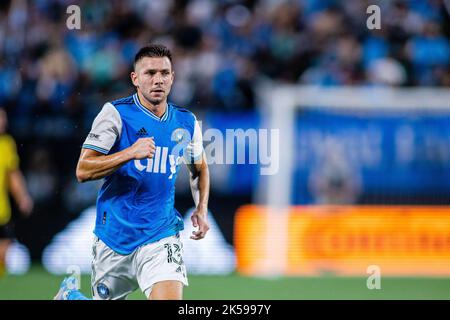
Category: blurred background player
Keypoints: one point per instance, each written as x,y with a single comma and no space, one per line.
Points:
11,180
136,144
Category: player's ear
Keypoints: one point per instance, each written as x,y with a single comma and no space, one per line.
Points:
133,76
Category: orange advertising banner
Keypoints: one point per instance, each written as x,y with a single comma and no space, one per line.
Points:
343,240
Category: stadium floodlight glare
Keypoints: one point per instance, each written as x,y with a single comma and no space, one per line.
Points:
280,103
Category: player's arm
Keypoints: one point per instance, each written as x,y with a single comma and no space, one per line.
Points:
15,180
199,183
93,165
19,192
95,162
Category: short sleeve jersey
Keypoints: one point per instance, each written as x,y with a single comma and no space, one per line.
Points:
135,205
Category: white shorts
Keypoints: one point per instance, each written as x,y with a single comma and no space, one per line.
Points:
115,276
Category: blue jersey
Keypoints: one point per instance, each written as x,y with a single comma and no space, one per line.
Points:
135,205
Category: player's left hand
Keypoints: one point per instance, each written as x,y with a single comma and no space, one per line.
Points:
199,220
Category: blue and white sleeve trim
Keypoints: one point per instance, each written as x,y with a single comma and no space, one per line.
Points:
90,146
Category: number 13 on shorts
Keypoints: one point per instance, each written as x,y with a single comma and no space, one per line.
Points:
174,255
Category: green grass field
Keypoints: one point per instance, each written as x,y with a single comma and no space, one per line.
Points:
37,284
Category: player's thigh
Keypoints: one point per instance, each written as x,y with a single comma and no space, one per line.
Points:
4,244
160,266
6,237
113,275
167,290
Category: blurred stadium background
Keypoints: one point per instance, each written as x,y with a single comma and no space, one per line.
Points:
364,120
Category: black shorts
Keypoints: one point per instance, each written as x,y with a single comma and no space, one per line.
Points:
7,231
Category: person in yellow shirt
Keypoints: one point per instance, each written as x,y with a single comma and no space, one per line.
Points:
11,180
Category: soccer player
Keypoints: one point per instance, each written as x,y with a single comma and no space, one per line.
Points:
11,180
137,144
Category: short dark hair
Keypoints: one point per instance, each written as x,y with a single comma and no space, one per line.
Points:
152,51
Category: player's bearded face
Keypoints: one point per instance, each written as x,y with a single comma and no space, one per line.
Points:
153,77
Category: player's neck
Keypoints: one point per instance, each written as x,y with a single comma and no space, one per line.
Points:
157,109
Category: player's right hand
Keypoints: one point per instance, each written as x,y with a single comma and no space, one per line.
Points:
143,148
25,206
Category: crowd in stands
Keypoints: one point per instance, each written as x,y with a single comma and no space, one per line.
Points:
221,49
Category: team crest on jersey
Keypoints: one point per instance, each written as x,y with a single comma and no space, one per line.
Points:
103,291
179,134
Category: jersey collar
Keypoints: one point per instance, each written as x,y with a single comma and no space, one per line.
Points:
149,113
